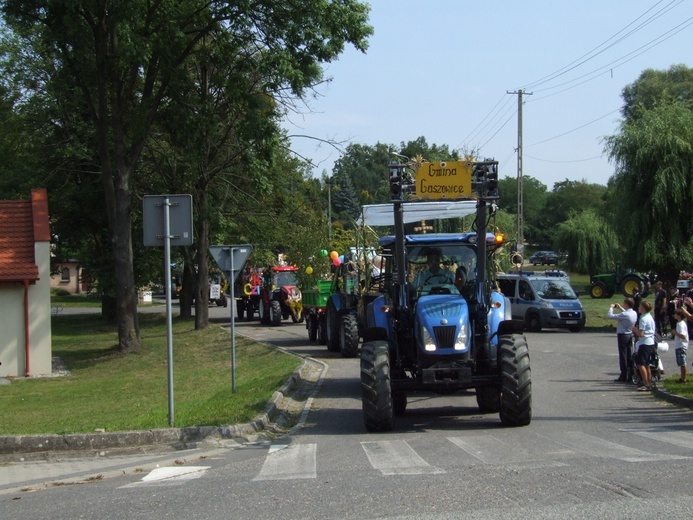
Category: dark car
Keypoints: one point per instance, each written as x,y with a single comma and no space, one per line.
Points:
544,258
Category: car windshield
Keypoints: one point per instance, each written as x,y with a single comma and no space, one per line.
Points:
554,289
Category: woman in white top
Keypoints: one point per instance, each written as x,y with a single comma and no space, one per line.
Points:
645,345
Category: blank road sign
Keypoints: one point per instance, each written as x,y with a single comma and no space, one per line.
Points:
180,220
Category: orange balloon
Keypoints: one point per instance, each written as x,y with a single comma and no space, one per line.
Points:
334,254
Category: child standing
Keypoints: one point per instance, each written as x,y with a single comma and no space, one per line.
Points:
681,342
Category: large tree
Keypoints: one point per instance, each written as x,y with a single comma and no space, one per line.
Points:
653,187
123,61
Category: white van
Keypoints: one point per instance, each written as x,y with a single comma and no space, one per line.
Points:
543,300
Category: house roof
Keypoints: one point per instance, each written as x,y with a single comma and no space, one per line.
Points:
22,223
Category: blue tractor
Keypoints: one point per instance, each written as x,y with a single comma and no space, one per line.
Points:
440,325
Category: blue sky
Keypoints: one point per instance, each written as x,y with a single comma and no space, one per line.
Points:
441,69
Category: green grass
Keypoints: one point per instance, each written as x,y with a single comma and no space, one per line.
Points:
671,386
115,392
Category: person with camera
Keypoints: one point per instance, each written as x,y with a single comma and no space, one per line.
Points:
625,319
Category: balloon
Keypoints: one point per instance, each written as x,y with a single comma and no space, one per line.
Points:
336,262
309,270
323,253
334,254
341,258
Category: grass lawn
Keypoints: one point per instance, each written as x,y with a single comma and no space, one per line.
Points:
115,392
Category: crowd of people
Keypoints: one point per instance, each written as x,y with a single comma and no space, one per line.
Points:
641,325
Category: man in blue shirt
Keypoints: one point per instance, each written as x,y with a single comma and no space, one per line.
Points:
626,319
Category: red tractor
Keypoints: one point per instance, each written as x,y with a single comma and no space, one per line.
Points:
280,297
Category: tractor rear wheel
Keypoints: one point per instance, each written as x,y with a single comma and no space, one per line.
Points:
312,326
275,312
630,284
264,313
322,330
376,390
516,381
598,290
349,335
332,327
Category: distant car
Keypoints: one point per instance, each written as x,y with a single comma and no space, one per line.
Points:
544,258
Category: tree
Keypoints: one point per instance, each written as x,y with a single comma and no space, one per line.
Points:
124,60
653,187
654,86
589,241
534,194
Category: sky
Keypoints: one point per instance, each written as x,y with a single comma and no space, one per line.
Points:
442,69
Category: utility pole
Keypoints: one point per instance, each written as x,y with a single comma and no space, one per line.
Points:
329,210
520,203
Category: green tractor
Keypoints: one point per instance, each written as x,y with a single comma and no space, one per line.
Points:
623,280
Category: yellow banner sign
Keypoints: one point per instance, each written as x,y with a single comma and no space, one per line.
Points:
444,180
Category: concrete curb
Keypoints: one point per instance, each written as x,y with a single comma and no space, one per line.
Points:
174,438
673,398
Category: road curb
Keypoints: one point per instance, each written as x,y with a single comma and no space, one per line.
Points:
673,398
41,446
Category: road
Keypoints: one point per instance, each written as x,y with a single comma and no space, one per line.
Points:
594,449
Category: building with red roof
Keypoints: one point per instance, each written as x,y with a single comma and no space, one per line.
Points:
25,308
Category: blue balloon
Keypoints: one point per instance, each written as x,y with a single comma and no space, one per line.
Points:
341,257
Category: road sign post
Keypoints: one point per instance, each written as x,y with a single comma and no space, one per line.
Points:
167,221
230,260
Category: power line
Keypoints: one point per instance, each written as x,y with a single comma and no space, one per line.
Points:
593,54
575,129
609,67
572,161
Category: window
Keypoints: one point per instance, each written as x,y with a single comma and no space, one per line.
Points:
64,275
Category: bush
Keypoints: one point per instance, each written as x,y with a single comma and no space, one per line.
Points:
60,292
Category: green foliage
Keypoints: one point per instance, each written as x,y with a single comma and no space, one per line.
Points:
589,241
534,196
656,86
653,186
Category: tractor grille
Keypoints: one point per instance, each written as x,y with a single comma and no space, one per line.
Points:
445,336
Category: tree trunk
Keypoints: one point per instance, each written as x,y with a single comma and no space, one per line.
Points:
126,292
202,303
187,292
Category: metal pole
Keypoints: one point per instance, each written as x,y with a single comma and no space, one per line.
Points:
169,321
233,325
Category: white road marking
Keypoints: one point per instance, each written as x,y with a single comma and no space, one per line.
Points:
397,458
677,438
174,475
289,462
597,447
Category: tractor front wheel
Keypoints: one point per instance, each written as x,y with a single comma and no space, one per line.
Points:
516,381
489,399
598,290
275,313
376,390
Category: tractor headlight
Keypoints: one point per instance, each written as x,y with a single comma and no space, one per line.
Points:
428,343
461,341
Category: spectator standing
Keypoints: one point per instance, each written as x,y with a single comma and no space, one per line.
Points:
645,345
660,308
673,303
626,320
681,342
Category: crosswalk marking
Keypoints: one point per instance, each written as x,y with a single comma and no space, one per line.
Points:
602,448
170,476
677,438
295,461
397,458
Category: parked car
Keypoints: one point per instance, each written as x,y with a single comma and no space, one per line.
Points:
544,258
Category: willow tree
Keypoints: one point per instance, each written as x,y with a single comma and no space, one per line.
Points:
590,242
653,186
123,60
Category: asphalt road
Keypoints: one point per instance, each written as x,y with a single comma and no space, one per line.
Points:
594,449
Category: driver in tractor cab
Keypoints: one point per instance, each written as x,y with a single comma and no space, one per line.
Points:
433,275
